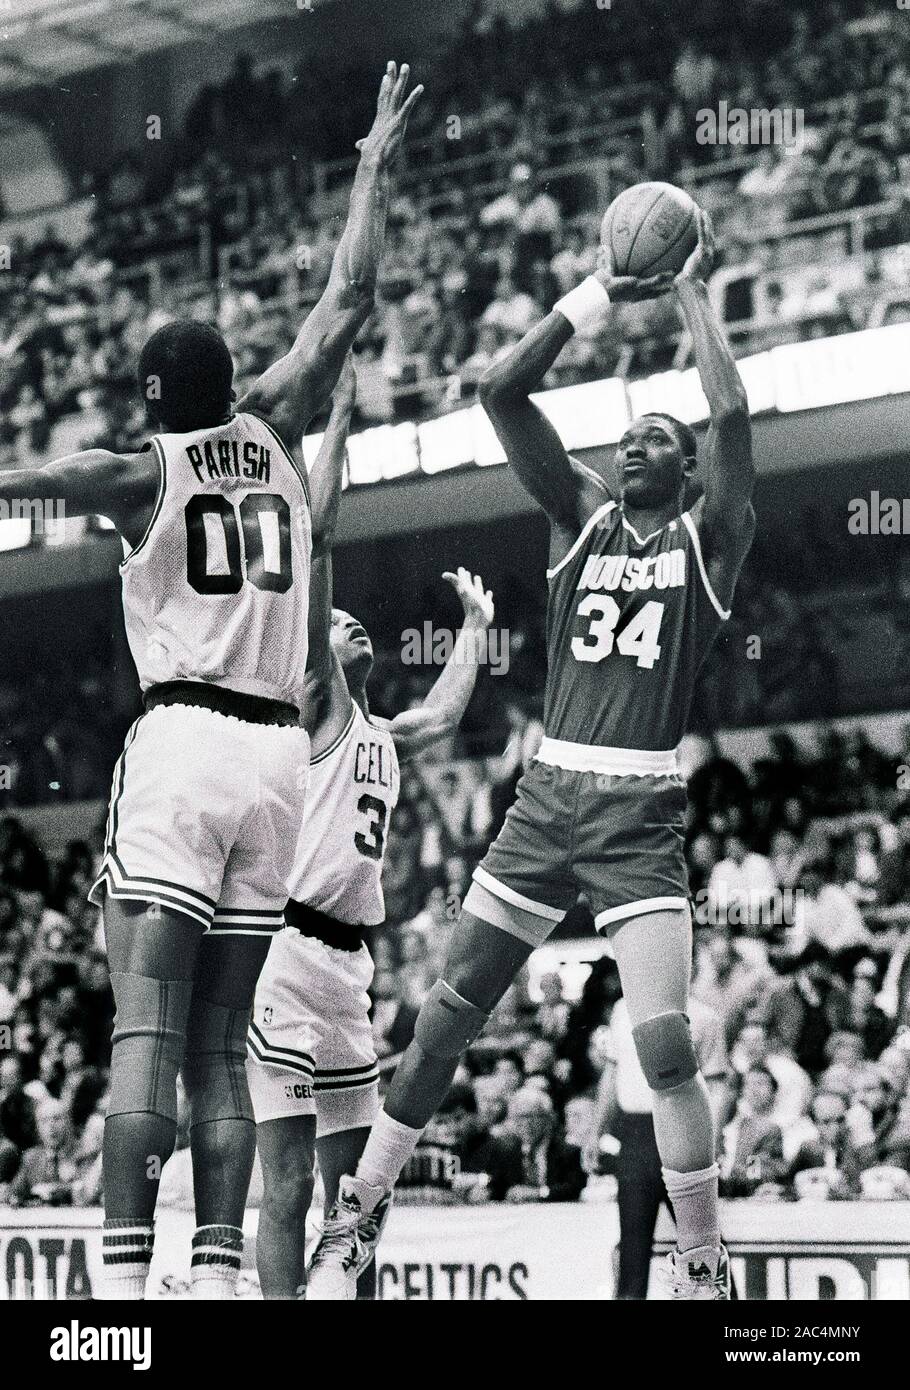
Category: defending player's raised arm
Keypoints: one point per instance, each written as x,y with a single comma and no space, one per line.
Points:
328,469
441,712
725,516
290,392
324,676
93,481
567,490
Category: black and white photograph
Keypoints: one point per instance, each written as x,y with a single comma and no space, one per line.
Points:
455,681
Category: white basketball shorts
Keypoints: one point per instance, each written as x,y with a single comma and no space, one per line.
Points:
310,1049
204,817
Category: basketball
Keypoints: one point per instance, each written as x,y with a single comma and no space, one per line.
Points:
650,228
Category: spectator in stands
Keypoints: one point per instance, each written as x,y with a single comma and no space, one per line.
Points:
793,1086
489,1151
551,1170
839,1158
858,1011
553,1011
49,1172
727,983
742,885
531,215
752,1151
799,1012
825,915
874,1118
509,1071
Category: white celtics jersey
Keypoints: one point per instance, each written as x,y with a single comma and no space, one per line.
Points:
217,590
352,791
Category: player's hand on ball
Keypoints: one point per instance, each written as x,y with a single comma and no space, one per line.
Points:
392,112
628,288
701,262
476,601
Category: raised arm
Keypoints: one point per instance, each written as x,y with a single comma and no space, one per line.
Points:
442,710
724,514
122,487
327,699
567,490
290,392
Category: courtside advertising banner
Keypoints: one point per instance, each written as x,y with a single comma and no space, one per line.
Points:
839,1251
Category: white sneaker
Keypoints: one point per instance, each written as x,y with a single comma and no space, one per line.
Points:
333,1270
699,1275
369,1230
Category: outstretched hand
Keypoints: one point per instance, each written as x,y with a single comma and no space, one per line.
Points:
476,601
392,111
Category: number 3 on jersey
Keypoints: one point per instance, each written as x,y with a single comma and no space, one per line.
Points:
217,562
373,842
638,638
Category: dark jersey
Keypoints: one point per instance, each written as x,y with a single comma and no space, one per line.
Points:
629,622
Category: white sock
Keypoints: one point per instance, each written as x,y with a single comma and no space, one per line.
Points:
217,1251
126,1255
388,1148
694,1198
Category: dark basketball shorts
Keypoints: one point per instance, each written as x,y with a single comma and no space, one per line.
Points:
618,840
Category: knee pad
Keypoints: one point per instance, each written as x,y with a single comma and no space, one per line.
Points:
447,1024
214,1070
665,1051
148,1043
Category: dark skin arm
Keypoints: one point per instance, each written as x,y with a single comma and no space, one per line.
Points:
568,491
327,701
724,515
122,487
441,712
292,390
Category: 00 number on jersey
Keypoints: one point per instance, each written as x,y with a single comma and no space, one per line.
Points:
263,556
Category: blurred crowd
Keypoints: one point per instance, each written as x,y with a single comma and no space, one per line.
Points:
800,875
239,224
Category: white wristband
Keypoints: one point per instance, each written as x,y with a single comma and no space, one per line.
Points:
586,306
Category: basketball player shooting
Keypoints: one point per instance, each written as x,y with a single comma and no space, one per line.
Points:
313,1071
205,808
638,588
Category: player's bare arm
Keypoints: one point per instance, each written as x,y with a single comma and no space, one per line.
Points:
442,710
568,491
122,487
724,514
290,392
327,701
